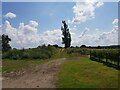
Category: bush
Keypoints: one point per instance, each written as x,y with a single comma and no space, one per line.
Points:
82,51
112,54
42,52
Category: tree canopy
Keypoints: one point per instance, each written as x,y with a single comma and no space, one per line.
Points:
5,43
66,39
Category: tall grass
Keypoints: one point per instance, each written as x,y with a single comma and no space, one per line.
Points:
34,53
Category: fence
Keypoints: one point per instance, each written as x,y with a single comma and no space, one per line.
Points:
109,58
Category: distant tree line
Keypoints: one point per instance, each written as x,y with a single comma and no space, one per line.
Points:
98,47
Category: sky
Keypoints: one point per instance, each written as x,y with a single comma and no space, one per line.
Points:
30,24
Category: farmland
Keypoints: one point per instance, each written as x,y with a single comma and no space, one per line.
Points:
60,44
44,53
109,57
90,71
85,73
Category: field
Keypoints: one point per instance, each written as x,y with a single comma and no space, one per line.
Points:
17,62
69,68
110,57
85,73
60,44
14,65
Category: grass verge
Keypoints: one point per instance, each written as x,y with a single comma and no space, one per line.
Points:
85,73
13,65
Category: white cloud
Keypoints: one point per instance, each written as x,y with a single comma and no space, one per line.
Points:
73,28
98,38
26,36
84,11
52,37
99,4
0,30
23,36
84,32
115,21
28,29
10,15
33,23
110,37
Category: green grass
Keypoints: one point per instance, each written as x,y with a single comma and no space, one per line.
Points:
13,65
85,73
109,61
62,53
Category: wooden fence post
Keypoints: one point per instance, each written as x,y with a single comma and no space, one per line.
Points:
118,60
106,58
90,54
95,56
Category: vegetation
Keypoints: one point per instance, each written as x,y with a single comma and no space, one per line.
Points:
85,73
5,43
0,47
18,64
109,56
67,37
42,52
81,51
14,65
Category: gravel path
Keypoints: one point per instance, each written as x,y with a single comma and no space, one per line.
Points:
40,76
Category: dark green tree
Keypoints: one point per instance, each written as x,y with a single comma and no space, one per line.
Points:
67,37
5,43
0,43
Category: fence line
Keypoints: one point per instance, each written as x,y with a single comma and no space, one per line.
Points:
109,59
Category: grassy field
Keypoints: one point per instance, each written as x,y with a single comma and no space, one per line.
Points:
13,65
85,73
82,73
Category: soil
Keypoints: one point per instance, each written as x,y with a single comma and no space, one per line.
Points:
39,76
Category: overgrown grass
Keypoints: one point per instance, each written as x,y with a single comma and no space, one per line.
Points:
85,73
42,52
62,53
13,65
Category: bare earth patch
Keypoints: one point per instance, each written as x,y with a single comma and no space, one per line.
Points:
40,76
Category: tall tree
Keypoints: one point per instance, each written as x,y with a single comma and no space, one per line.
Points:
5,43
0,43
67,37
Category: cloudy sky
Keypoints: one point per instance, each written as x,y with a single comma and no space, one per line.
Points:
37,23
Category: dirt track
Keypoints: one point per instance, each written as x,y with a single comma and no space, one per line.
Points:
40,76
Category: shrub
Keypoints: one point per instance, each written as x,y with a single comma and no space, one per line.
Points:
42,52
112,54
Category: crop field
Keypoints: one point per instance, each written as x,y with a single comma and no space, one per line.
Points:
97,68
110,56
